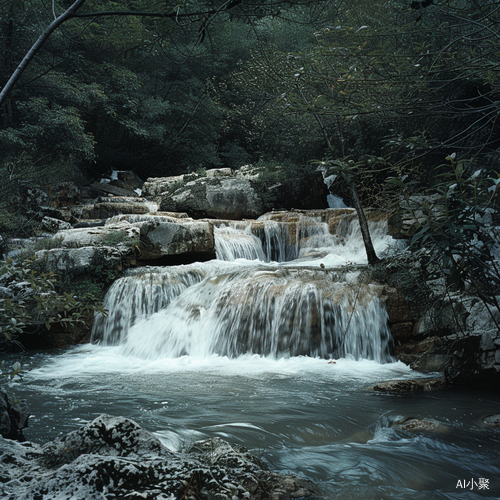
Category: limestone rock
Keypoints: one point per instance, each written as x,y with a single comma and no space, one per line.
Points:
422,425
227,194
110,235
105,208
126,180
112,457
221,198
161,237
219,172
76,261
491,421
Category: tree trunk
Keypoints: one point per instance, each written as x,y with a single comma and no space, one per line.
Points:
36,47
363,223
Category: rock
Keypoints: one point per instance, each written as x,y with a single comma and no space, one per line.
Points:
432,362
401,332
109,235
72,262
13,416
112,457
54,225
415,385
219,172
63,214
126,180
108,188
61,195
421,425
227,194
106,208
411,214
491,421
220,198
176,236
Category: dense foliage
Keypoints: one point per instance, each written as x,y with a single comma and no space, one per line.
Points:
161,95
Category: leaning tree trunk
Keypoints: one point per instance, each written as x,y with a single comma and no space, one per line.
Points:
363,223
68,14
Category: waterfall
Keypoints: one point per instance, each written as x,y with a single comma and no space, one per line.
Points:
261,296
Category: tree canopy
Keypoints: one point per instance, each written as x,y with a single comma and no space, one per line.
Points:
168,87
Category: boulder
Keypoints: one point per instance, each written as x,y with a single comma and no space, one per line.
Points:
221,198
176,236
105,208
14,416
72,262
422,425
491,421
126,179
113,457
227,194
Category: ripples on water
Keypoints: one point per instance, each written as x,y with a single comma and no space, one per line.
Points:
303,415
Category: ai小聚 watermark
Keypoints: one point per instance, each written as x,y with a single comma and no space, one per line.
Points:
480,484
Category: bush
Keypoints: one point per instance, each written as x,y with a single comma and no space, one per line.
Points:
32,302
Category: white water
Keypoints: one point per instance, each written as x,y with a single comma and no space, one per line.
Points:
244,303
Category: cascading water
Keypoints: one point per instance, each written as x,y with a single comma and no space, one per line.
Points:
216,349
259,297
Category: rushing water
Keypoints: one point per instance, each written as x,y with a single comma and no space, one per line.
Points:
273,347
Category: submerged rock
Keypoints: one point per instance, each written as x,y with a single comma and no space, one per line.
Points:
491,421
113,457
421,425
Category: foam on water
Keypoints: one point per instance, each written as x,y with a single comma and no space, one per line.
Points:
89,361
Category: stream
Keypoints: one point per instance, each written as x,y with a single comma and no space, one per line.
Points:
273,347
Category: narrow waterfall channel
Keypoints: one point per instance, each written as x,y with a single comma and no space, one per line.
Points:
275,347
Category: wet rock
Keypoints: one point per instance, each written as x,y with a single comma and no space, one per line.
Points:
492,421
14,416
411,214
219,172
60,195
105,208
126,180
401,332
416,385
421,425
112,457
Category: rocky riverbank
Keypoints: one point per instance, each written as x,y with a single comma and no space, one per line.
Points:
114,458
